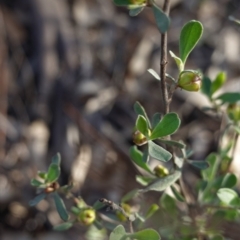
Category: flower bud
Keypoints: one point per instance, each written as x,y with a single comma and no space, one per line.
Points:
139,139
127,208
160,171
190,81
87,216
233,111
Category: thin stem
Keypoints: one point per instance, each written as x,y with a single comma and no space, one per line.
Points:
163,63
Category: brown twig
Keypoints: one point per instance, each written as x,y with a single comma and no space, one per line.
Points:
163,63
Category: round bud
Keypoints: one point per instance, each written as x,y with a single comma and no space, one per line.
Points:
160,171
139,139
87,216
190,81
122,217
233,111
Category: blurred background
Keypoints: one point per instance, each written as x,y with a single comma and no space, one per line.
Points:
70,72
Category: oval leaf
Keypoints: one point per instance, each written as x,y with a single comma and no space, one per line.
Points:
227,195
135,11
139,109
56,159
144,181
37,199
161,184
154,74
53,172
117,233
64,226
206,86
156,119
210,173
60,207
177,194
173,143
148,234
218,82
161,18
168,125
229,97
190,35
141,125
229,181
158,152
129,195
137,158
123,2
36,183
178,61
199,164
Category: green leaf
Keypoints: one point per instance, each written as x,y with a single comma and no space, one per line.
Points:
173,143
217,237
158,152
156,119
227,195
137,158
117,233
218,82
135,11
98,205
178,61
36,183
189,37
154,74
53,173
179,161
167,126
130,195
42,175
169,204
162,183
144,181
141,125
206,86
161,18
139,109
60,206
229,97
56,159
63,227
37,199
153,208
199,164
148,234
210,173
229,181
177,194
123,2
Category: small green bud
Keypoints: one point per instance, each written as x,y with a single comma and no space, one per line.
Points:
233,111
190,80
87,216
127,208
139,139
160,171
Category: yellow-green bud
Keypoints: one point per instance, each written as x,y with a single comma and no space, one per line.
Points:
127,208
87,216
190,81
233,112
160,171
139,139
